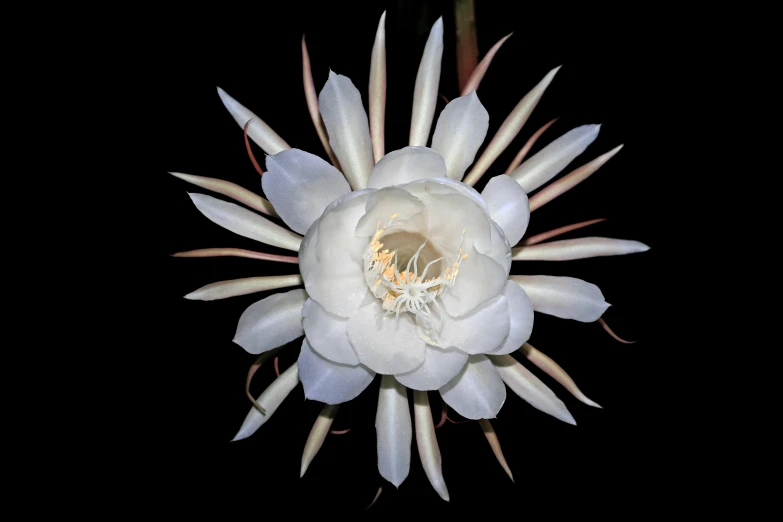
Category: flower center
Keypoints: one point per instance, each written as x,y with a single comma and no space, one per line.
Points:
408,290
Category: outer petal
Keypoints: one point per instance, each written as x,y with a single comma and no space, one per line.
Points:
461,129
349,133
477,392
479,280
394,431
553,158
383,343
245,223
258,131
326,334
337,284
406,165
564,297
530,388
440,366
271,322
300,186
508,206
482,330
520,314
270,400
329,382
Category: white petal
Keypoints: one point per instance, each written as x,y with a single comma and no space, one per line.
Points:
271,322
520,314
477,392
393,431
461,129
308,251
440,366
553,158
482,330
349,133
500,250
448,215
270,400
406,165
579,248
479,280
508,206
337,227
564,297
300,186
337,284
383,343
425,93
259,132
329,382
530,388
326,334
244,222
424,188
382,205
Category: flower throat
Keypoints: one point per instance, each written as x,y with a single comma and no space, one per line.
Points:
407,290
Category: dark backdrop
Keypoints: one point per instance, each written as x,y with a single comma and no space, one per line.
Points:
192,375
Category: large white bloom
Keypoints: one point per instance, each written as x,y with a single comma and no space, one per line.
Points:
405,268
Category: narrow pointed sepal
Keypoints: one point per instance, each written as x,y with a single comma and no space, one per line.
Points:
311,96
245,223
528,145
378,90
552,159
270,400
317,435
570,180
510,128
481,69
429,453
579,248
494,443
231,190
258,131
425,93
530,388
236,252
244,286
538,238
556,372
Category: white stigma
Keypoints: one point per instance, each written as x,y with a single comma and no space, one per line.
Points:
407,291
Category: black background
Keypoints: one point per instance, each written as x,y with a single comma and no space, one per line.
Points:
191,374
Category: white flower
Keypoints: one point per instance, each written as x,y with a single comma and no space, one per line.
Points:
405,267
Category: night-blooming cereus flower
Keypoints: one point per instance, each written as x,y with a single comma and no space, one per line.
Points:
405,266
